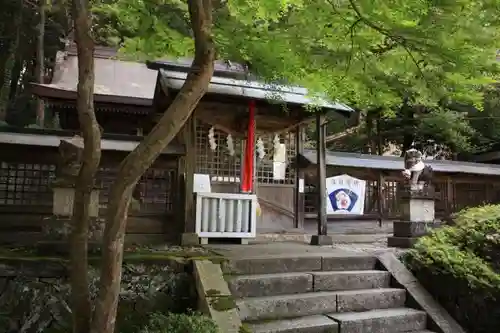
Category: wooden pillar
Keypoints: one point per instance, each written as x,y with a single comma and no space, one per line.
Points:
450,196
380,194
242,162
299,180
321,238
187,167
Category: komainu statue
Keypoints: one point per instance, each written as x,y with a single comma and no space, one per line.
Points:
415,170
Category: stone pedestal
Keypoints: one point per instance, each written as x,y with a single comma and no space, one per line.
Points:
417,207
64,198
58,228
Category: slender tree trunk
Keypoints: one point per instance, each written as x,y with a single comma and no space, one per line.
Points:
139,160
370,132
15,77
81,304
408,115
9,64
40,60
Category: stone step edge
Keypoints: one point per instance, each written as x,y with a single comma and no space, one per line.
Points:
284,263
333,293
247,286
391,313
284,275
256,309
377,313
297,323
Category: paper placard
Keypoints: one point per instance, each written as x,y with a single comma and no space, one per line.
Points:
201,183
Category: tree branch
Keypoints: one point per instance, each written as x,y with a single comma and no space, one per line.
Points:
349,59
30,3
399,40
336,136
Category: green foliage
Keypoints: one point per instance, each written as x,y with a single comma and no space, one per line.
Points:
19,22
460,266
447,127
369,54
487,122
362,51
180,323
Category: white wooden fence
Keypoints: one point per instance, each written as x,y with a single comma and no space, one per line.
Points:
226,215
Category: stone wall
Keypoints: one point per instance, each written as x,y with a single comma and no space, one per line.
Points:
34,293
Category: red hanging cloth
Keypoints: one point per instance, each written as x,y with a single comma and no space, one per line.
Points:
248,161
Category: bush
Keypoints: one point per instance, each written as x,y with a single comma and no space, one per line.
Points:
180,323
460,266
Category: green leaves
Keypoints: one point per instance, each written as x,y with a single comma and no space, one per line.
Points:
464,250
368,51
459,266
447,127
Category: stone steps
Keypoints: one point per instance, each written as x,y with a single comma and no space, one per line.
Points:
396,320
286,306
321,302
309,324
319,293
303,263
295,283
381,321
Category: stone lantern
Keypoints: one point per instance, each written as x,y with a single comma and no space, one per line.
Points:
63,189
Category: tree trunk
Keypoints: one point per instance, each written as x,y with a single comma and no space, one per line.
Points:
139,160
81,305
9,64
408,117
15,77
40,61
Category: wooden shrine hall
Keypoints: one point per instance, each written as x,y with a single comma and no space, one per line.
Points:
245,111
129,98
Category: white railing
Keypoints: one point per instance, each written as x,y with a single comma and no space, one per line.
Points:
226,215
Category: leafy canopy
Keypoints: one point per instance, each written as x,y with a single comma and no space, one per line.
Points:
367,52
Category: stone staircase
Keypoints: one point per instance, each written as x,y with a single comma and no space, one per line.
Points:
319,294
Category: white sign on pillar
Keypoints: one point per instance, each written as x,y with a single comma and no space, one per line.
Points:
345,195
279,162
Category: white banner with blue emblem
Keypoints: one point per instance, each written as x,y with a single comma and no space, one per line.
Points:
345,195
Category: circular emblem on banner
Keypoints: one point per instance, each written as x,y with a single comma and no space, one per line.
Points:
343,200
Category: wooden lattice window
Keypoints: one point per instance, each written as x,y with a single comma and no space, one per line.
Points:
371,197
26,184
470,195
219,164
391,197
265,167
155,187
310,199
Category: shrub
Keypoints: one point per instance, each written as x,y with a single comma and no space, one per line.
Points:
180,323
460,266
